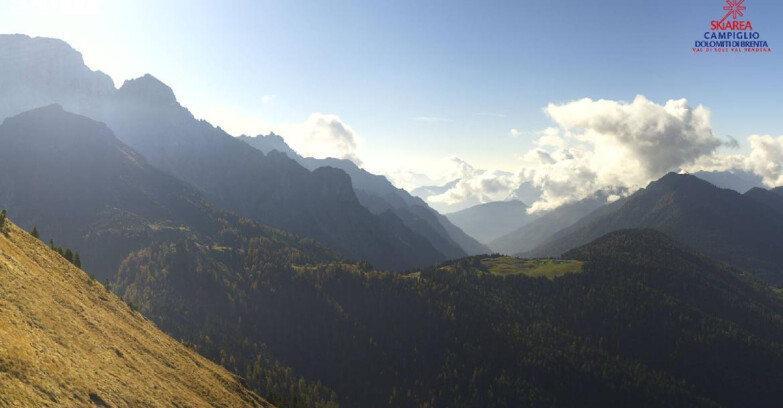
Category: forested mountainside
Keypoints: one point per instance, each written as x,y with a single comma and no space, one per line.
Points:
65,341
745,230
634,319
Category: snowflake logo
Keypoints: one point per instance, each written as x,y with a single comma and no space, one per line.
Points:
734,9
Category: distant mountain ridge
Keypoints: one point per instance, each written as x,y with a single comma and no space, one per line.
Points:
378,195
490,221
541,229
739,181
77,182
271,189
741,229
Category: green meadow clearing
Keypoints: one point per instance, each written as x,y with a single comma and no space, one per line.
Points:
547,268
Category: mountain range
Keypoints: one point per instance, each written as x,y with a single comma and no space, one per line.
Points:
324,286
378,195
537,231
69,176
490,221
743,229
272,189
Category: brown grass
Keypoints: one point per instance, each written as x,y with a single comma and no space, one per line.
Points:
65,341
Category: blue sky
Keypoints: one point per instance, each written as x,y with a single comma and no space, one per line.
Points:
420,80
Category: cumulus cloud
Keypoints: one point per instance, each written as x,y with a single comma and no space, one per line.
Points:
410,180
514,133
656,138
606,145
602,145
614,147
440,172
766,158
267,99
550,137
321,135
473,186
480,188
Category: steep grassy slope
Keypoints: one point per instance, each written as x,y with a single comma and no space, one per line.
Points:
67,341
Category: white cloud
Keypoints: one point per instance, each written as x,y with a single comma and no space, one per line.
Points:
267,99
475,186
605,145
766,158
550,137
440,172
719,162
323,135
593,145
409,180
657,138
514,133
601,145
320,135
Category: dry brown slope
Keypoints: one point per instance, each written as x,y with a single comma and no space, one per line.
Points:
65,341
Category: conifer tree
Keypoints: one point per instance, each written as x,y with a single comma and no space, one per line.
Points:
34,232
77,260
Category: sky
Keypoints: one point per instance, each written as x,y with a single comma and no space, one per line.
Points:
427,87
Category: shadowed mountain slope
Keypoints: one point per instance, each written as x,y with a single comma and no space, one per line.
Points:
378,195
539,230
80,185
271,189
722,223
490,221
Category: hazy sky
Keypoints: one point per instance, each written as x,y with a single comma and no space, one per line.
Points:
419,81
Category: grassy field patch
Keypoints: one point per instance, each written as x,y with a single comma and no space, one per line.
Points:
548,268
